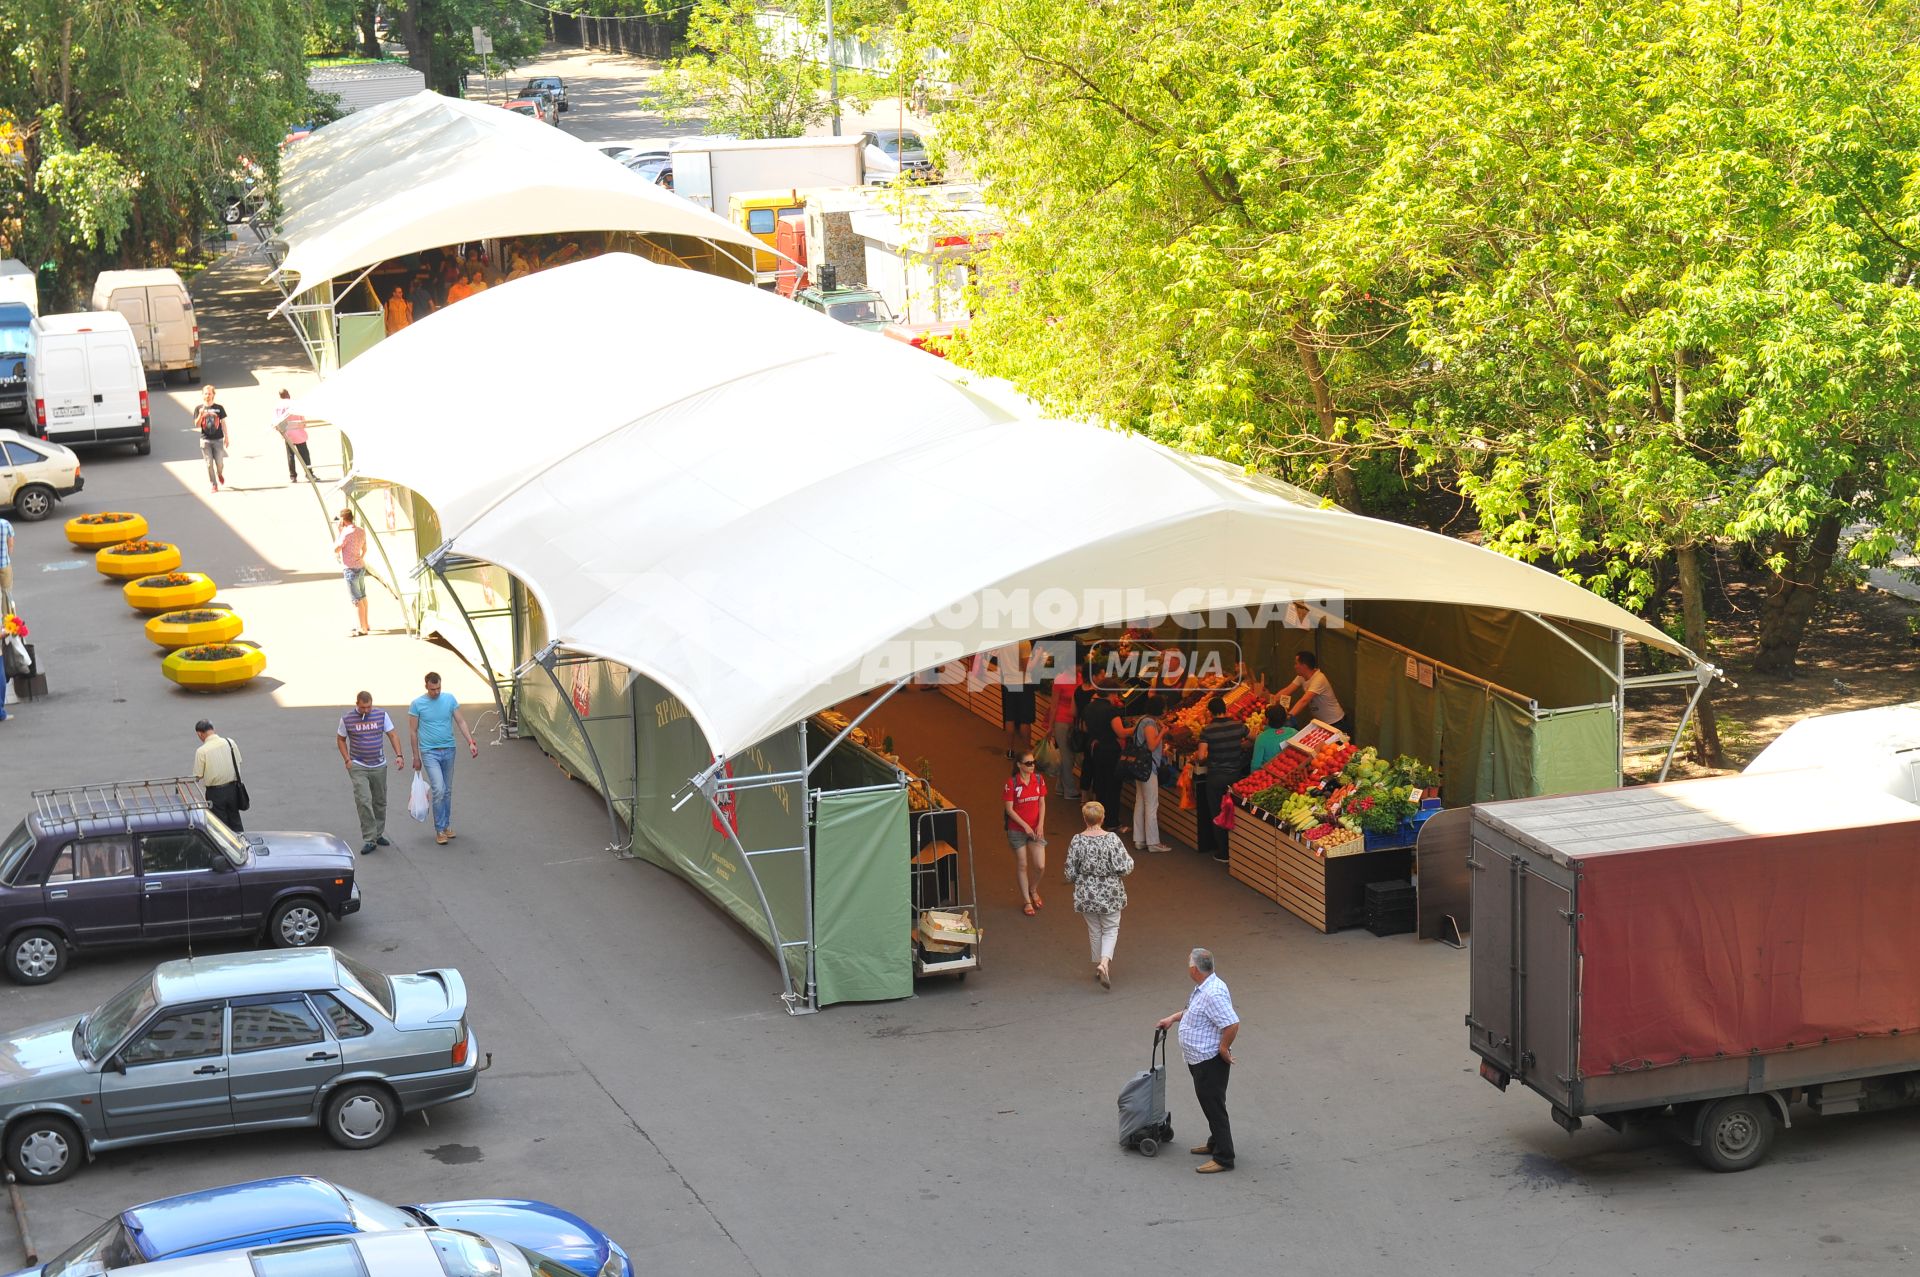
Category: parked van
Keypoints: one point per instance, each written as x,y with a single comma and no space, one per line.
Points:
759,213
18,285
16,361
160,312
88,383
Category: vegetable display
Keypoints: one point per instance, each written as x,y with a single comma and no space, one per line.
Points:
1336,796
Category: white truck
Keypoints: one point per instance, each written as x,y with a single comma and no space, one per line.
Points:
709,171
160,311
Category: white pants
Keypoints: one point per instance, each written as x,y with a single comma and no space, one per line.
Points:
1146,811
1103,929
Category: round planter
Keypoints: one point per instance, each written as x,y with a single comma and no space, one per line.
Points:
231,665
153,556
169,591
193,627
91,531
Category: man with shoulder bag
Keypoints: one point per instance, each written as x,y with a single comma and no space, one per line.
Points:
216,765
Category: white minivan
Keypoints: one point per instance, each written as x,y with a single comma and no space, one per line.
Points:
88,385
160,311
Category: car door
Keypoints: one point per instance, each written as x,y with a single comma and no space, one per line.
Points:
187,886
278,1057
60,384
132,303
171,1077
93,890
116,380
172,325
13,459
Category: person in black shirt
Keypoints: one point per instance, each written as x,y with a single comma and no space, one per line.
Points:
1105,734
210,419
1223,747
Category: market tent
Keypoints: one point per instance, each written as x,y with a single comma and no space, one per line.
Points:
427,171
772,533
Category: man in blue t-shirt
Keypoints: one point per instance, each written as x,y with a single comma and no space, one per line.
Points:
430,723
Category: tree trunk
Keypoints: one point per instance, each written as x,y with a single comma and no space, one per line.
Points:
1792,594
369,39
1693,610
419,42
1338,470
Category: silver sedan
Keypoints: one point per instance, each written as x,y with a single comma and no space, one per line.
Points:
239,1042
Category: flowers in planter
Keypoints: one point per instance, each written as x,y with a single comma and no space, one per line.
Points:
211,667
194,627
169,591
91,531
137,558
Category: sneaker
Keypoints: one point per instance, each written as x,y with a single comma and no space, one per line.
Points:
1212,1168
367,848
441,837
1158,846
382,841
450,834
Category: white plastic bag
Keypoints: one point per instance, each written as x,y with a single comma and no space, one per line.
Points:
420,801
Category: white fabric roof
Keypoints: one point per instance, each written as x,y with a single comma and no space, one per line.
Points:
767,512
424,171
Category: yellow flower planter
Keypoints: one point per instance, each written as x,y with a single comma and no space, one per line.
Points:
193,627
91,531
137,558
224,665
169,591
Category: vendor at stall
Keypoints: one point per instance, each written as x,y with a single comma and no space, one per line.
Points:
1316,698
1273,736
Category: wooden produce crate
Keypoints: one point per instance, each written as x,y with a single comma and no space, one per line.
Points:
1326,894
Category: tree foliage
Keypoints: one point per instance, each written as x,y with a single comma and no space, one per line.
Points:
438,35
134,116
757,71
1634,277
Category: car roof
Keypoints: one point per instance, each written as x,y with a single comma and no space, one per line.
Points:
100,321
395,1253
895,133
192,1220
241,975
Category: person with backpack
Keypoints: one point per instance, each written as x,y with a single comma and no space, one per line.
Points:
210,419
1146,753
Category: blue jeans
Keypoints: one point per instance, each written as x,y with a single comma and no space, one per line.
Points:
438,765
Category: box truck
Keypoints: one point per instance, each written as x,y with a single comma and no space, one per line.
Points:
1706,955
157,306
709,171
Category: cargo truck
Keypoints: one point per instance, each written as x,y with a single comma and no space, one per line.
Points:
1709,956
709,171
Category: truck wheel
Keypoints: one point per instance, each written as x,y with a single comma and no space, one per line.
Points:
142,448
193,375
1737,1133
33,503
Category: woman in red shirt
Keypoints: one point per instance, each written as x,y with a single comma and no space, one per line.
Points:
1025,801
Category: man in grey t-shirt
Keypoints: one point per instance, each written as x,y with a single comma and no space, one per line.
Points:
1316,695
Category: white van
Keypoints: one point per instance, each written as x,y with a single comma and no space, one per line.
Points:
157,306
17,284
88,385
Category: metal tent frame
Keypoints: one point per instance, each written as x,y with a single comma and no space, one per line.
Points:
1701,676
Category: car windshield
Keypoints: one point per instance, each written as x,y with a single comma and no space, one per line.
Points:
330,1258
226,840
859,310
13,852
16,339
365,983
106,1247
894,143
105,1028
371,1215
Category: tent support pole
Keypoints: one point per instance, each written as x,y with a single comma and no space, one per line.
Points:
1620,702
802,1000
1612,671
805,811
1700,689
436,563
544,658
847,731
392,579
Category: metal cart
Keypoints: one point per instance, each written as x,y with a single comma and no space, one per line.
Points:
943,883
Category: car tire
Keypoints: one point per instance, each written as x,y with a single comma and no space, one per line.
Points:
35,956
296,923
193,376
361,1115
33,503
44,1149
142,448
1737,1133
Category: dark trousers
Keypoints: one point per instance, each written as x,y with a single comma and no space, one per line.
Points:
1210,1088
1102,776
1212,837
225,801
306,458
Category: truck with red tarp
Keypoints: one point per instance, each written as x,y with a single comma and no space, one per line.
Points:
1705,954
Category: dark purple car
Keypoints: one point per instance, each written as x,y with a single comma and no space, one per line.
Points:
141,861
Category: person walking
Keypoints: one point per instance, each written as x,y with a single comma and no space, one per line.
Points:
1106,734
430,723
293,432
216,765
1097,861
210,419
1024,798
1149,741
362,736
6,567
350,547
1223,747
1208,1028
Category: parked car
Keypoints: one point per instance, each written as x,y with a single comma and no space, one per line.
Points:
134,861
858,307
34,474
655,167
19,335
264,1212
87,383
551,85
891,153
537,107
239,1042
420,1252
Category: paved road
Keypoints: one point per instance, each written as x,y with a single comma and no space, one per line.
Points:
644,1075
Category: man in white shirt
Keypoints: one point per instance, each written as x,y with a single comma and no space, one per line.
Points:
216,765
1316,695
1208,1027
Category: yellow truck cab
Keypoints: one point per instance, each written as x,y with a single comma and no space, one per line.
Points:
758,213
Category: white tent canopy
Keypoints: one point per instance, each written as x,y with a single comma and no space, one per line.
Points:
767,513
426,171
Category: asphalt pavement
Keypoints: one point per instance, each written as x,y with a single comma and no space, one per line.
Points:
645,1076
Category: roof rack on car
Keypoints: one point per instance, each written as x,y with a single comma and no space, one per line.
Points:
119,799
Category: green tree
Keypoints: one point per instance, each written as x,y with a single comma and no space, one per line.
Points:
344,26
438,35
762,72
135,116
